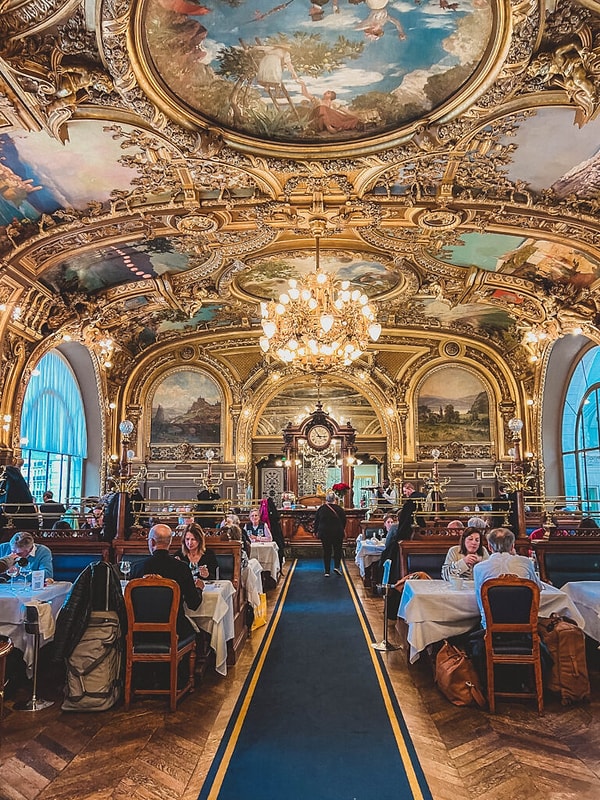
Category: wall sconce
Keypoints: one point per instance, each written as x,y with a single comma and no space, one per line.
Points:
7,418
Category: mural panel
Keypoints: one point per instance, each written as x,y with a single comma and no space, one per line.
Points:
268,278
40,175
566,170
186,407
312,71
526,258
109,266
453,406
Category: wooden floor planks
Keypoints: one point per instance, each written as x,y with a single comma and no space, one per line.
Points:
150,754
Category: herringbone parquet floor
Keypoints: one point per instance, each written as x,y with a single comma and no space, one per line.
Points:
150,754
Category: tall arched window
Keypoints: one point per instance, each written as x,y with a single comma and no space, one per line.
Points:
581,433
53,430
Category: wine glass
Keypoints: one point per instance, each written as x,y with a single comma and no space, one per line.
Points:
26,573
13,572
125,567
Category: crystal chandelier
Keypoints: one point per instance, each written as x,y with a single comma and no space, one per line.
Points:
318,323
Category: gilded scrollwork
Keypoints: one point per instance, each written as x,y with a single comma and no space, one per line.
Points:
573,65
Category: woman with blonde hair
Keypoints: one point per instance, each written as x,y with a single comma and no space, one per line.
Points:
202,562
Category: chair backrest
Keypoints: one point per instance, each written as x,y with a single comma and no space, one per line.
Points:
510,603
152,604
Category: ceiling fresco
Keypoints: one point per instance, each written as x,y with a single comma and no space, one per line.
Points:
328,70
40,175
166,165
267,278
110,266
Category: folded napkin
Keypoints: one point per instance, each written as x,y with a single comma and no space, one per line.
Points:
44,610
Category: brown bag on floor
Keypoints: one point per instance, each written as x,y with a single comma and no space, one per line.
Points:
566,644
457,678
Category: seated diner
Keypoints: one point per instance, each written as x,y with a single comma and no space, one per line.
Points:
462,557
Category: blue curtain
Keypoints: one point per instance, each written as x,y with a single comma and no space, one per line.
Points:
53,418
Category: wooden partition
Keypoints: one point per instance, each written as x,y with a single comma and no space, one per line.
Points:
568,558
73,553
298,525
425,555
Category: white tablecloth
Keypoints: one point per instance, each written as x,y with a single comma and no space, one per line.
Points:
268,555
252,581
12,614
367,552
586,597
215,616
433,611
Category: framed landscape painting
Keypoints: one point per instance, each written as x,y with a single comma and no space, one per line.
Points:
186,407
453,406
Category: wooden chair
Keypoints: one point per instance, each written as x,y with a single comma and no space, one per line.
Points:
152,605
511,607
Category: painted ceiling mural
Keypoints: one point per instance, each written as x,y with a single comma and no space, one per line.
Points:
311,71
166,165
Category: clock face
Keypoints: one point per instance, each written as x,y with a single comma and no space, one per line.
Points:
318,437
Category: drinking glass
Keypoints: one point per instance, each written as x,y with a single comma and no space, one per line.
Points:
125,567
13,573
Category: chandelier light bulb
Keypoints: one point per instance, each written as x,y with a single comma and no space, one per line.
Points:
269,328
264,344
374,331
284,299
321,278
327,321
280,309
294,293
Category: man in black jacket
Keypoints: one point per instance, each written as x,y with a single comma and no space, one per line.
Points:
330,523
161,563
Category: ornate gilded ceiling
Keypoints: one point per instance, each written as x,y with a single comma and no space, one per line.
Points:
167,164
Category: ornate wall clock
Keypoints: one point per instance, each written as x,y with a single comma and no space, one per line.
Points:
318,437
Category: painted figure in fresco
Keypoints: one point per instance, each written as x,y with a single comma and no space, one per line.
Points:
316,11
327,117
373,26
274,61
188,33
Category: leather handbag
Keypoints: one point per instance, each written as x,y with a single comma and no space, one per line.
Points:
457,678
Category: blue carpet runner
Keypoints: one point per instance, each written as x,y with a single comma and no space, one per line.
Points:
316,719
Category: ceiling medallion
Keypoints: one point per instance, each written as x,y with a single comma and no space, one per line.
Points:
440,219
194,223
318,323
451,349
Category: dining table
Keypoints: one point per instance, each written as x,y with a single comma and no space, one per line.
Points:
14,599
267,553
585,595
368,552
215,616
434,610
252,581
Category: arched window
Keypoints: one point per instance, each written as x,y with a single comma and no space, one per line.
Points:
581,433
53,430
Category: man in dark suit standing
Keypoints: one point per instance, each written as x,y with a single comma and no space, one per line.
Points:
161,563
50,510
330,523
406,517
